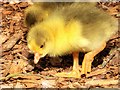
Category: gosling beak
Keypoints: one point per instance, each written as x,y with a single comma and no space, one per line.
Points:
37,57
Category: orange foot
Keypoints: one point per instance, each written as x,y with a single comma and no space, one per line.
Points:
86,64
76,69
73,73
89,57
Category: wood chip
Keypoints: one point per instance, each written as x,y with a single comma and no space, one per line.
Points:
97,72
32,85
18,85
48,83
30,77
29,81
102,82
11,42
7,12
4,38
17,66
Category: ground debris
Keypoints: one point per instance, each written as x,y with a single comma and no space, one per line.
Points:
4,38
97,72
11,42
102,82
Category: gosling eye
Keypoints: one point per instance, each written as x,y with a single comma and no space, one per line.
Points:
41,46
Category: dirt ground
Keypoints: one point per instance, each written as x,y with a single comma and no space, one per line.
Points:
19,71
